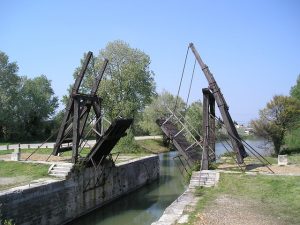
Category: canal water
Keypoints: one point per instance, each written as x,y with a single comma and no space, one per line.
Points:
145,205
148,203
262,146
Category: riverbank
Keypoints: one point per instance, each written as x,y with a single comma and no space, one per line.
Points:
177,211
248,199
255,197
18,173
59,201
145,205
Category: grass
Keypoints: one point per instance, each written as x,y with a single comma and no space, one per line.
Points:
22,172
278,195
292,159
4,152
153,145
126,157
6,143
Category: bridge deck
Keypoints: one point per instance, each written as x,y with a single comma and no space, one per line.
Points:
107,142
191,154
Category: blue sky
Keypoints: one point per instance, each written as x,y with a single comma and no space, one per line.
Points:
252,47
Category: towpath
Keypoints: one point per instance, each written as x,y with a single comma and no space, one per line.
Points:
51,144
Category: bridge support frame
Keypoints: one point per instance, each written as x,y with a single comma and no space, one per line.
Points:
209,137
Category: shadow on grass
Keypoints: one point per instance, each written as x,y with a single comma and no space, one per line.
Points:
290,151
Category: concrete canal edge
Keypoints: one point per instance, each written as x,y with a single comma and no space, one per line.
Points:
177,211
61,201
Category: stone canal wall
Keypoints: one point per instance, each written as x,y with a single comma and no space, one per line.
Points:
58,202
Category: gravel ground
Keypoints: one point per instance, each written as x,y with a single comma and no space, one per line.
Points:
226,210
12,180
289,169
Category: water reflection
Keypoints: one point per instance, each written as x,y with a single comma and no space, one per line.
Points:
260,145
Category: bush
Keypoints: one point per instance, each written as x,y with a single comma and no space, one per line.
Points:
127,144
292,140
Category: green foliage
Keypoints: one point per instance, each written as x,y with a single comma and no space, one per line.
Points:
127,144
26,104
295,90
292,140
9,87
153,145
8,222
194,117
36,105
195,167
159,109
5,221
280,115
126,87
213,166
128,83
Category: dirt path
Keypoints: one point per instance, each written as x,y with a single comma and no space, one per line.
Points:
39,157
12,180
227,210
284,170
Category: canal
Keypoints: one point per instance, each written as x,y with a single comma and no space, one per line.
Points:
148,203
262,146
145,205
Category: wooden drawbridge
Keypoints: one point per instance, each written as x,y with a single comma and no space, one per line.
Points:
183,140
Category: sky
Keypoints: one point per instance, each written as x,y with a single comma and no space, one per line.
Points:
252,47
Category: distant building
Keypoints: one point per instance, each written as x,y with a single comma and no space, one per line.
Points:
249,131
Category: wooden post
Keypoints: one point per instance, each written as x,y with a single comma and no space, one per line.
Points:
97,110
70,104
212,125
76,125
204,164
77,112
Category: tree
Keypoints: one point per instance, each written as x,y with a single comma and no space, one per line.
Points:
128,83
9,87
36,104
292,136
26,104
274,121
159,109
295,90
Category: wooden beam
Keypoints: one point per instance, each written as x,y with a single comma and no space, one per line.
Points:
204,161
76,125
223,107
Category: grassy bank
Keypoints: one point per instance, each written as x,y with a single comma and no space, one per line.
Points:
17,173
277,196
153,145
292,159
